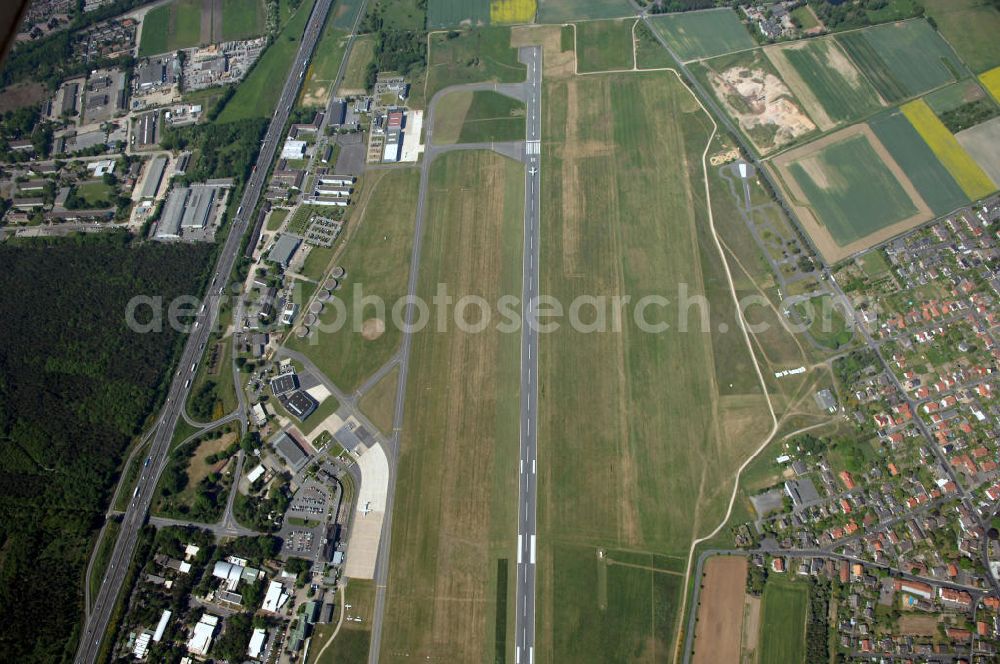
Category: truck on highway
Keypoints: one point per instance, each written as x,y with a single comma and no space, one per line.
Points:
187,383
239,210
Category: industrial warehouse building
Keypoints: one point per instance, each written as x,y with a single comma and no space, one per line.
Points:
283,250
154,176
187,208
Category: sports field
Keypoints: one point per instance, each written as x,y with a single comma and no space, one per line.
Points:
603,45
705,34
851,190
475,117
257,95
455,13
376,258
629,419
902,59
171,27
967,173
563,11
917,160
482,54
827,82
783,623
456,491
972,27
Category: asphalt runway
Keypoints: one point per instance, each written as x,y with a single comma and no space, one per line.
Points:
524,604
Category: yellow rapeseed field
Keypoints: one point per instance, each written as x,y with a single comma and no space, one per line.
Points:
970,177
991,81
512,11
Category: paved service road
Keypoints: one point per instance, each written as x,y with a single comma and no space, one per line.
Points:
135,515
524,605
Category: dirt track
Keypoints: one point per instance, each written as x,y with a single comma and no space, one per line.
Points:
720,613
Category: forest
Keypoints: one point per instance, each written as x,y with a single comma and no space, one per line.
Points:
76,385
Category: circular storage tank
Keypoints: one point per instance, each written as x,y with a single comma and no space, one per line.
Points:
310,319
302,332
315,307
338,273
324,296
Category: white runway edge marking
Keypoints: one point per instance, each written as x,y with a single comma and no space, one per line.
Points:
531,654
517,657
519,549
532,559
532,466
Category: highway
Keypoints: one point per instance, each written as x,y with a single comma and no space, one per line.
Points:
135,516
524,595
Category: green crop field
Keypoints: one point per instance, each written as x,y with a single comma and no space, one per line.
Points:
257,95
563,11
482,54
918,161
783,621
903,59
951,97
377,260
323,67
649,53
972,27
170,27
456,492
629,417
242,22
362,54
845,95
704,34
475,117
453,13
345,13
610,605
851,189
602,45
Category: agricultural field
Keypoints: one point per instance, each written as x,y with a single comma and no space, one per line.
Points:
170,27
903,59
241,22
649,53
829,85
456,13
480,116
257,95
954,96
603,45
625,210
704,34
720,610
806,18
564,11
991,81
512,11
376,258
917,160
982,143
849,185
970,177
785,609
971,27
344,14
456,481
355,76
323,68
749,88
482,54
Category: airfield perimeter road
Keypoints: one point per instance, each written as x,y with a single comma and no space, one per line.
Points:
524,604
135,515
